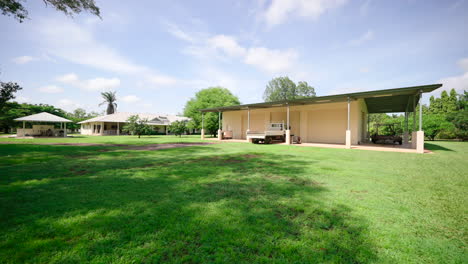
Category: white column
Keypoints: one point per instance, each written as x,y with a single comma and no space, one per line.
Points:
220,132
102,128
65,129
304,126
288,131
202,134
348,130
405,132
420,133
118,129
24,126
248,119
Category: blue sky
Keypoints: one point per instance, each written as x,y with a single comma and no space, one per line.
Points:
158,54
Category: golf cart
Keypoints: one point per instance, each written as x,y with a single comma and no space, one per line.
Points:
387,135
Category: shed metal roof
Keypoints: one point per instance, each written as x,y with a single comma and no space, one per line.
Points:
378,101
43,117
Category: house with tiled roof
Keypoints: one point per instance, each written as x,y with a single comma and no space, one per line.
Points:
112,124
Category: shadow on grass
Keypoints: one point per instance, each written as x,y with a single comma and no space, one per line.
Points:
174,205
431,146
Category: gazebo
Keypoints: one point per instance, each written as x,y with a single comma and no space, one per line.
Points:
41,129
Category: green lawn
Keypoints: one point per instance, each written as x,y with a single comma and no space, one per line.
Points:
230,203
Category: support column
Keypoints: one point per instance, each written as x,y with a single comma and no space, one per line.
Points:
304,126
65,129
118,129
220,131
405,132
202,132
102,129
348,129
288,130
420,133
248,119
413,132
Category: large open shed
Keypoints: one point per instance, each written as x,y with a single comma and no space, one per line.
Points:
38,128
333,119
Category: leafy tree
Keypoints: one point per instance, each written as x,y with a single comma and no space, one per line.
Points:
137,126
13,110
7,92
434,124
460,121
79,115
207,98
16,9
178,127
109,99
282,89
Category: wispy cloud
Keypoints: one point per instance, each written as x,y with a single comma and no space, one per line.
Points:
457,82
95,84
281,10
51,89
130,99
24,59
272,61
81,47
368,36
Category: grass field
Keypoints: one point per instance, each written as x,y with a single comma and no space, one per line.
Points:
230,203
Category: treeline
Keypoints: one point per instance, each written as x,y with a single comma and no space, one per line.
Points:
446,117
12,110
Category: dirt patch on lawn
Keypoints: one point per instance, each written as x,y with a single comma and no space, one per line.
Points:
165,146
124,146
230,159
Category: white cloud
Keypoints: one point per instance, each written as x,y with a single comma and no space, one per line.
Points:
161,80
458,82
280,10
24,59
364,70
130,99
463,63
96,84
369,35
228,44
178,33
81,47
270,60
22,99
100,84
70,78
68,104
51,89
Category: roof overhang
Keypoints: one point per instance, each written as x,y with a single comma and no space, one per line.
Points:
378,101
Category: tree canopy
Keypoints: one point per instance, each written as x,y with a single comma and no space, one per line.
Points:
206,98
137,126
178,128
7,92
109,98
282,88
16,9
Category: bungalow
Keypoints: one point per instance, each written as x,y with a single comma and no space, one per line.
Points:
112,124
335,119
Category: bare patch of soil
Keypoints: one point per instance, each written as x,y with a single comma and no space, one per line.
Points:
165,146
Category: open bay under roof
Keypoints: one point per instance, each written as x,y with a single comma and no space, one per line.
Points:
379,101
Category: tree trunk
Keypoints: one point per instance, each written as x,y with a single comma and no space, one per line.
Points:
138,135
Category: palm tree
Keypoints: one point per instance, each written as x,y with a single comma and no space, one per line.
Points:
109,99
